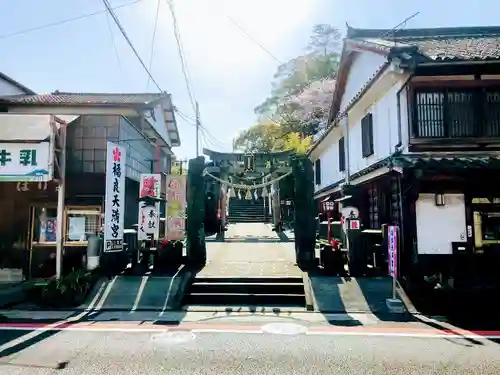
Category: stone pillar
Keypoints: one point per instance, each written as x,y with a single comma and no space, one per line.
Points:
276,204
305,212
223,198
195,232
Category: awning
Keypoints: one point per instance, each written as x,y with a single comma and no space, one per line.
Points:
343,198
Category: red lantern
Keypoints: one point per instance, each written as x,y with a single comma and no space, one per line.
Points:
335,244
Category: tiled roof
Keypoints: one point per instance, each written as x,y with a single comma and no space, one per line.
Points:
423,45
439,44
66,98
446,162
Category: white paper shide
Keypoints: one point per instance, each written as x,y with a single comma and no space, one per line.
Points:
115,198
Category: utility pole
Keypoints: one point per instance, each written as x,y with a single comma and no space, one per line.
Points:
197,129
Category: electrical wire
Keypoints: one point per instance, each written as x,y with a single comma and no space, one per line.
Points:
122,30
115,50
68,20
181,54
208,136
186,117
151,54
249,36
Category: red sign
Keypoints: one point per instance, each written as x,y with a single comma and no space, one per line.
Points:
149,187
354,224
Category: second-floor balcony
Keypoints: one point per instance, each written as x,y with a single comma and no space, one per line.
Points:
455,116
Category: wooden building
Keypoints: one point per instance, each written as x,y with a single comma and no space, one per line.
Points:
144,124
414,135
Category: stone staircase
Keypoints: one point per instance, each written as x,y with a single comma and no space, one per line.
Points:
247,211
246,291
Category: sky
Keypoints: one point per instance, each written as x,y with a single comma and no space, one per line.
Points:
230,74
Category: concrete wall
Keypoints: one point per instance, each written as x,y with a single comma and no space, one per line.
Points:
381,101
157,121
439,226
8,88
330,161
363,67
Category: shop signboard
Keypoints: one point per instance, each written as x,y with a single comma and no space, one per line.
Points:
176,207
26,162
115,198
392,247
149,216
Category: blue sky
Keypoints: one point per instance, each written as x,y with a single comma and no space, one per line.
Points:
230,74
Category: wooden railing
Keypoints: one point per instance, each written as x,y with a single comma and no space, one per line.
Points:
456,113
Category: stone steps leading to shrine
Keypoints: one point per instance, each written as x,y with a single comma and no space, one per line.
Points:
247,211
246,291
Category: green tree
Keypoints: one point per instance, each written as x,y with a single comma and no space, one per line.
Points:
320,61
325,40
294,142
261,137
176,166
300,98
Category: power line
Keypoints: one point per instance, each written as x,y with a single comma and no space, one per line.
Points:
122,30
151,54
253,39
184,116
180,51
115,50
62,22
203,129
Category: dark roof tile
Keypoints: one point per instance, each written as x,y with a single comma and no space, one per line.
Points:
439,44
66,98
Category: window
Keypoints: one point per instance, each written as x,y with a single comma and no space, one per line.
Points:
44,225
82,222
430,114
341,155
317,171
490,226
367,135
456,113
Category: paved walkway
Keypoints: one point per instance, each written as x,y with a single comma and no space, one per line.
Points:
245,256
251,231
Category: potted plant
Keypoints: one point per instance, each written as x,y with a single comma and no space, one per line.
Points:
70,290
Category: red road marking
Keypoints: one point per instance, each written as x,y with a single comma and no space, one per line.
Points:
148,326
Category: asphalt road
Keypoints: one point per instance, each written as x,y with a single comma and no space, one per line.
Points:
185,352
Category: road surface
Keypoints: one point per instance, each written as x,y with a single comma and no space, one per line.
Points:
111,348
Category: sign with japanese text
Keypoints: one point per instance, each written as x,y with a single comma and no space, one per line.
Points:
349,213
25,162
149,216
354,224
149,222
392,247
176,207
115,198
150,185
